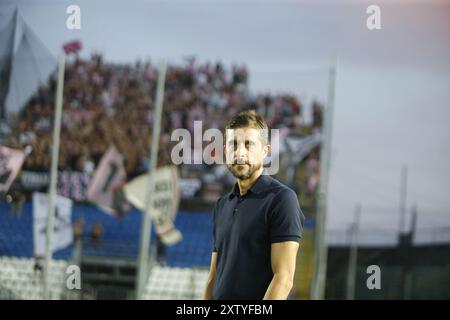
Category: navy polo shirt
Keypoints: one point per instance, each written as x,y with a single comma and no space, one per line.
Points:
244,229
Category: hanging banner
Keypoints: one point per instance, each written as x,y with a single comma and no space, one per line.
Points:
71,184
63,232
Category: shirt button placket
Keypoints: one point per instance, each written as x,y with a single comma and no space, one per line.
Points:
235,210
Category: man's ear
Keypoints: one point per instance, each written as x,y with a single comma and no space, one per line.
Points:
267,150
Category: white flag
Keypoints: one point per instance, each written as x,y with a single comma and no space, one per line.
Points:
62,228
165,200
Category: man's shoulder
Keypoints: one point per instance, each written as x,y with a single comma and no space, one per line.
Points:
279,188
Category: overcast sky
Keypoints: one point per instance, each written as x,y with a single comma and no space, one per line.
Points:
392,102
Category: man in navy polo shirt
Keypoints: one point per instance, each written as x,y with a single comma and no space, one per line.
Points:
257,226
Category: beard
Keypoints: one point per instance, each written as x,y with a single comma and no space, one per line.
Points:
243,171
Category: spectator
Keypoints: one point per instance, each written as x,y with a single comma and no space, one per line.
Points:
96,234
78,229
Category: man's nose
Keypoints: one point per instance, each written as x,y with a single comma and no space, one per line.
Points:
241,154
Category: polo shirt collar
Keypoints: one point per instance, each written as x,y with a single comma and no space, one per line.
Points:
260,185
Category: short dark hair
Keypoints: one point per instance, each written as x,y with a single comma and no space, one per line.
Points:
250,118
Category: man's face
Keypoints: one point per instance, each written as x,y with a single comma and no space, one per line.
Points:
244,152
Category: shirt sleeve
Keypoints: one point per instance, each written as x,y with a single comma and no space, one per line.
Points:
286,219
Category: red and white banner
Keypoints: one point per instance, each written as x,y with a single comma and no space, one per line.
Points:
109,176
11,161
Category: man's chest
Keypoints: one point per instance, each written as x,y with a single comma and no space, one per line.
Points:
242,220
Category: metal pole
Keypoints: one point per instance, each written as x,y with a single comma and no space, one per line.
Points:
353,257
53,174
404,181
408,274
147,223
321,249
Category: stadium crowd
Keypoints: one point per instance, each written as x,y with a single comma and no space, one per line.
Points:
106,104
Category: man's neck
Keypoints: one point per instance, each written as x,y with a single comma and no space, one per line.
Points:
246,184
